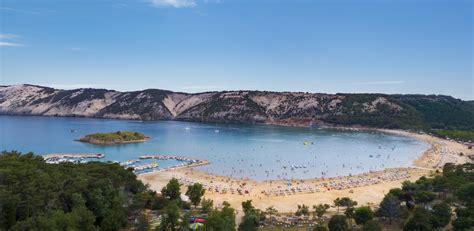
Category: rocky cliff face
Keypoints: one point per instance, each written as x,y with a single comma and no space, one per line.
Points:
233,106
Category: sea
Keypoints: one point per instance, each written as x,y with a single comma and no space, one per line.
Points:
259,152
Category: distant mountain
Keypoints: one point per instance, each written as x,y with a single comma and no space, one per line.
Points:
290,108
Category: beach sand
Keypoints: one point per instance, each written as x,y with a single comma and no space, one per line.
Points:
366,189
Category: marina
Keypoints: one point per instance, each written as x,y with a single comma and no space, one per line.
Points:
139,166
56,158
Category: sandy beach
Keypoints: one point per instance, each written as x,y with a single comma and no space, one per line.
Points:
367,189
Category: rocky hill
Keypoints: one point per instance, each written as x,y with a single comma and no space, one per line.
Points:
292,108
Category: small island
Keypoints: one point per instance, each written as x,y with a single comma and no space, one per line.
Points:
113,138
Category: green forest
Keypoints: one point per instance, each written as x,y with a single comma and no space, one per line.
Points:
104,196
93,196
442,116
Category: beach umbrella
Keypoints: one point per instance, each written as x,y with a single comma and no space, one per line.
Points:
196,225
199,220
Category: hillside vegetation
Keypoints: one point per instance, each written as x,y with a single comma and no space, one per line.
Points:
93,196
119,137
420,112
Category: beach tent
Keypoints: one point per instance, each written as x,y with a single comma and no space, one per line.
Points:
196,225
184,198
197,220
200,220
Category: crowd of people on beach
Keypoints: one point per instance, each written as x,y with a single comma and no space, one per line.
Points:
223,185
439,155
338,183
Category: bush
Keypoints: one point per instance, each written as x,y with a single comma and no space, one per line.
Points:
372,225
338,223
363,214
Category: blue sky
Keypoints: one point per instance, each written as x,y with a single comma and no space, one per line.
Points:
387,46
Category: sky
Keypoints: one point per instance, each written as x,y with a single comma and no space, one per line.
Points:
329,46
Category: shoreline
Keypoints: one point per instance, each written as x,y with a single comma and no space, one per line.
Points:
366,188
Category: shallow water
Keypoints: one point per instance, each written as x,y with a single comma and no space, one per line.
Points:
259,152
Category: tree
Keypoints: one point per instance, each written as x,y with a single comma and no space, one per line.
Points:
250,222
228,214
424,197
170,217
344,202
347,202
390,207
466,193
172,190
215,221
441,215
271,211
425,183
320,210
409,187
247,206
221,220
185,222
67,196
372,225
206,205
338,223
465,218
195,192
37,223
337,203
303,210
363,214
252,217
420,221
142,223
350,212
80,217
397,193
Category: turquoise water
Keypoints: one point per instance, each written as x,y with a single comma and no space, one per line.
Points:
259,152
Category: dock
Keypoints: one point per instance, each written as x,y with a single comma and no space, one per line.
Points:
74,155
55,158
189,162
170,157
186,162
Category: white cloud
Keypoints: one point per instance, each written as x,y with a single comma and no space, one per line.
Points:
7,44
8,36
380,82
173,3
18,11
